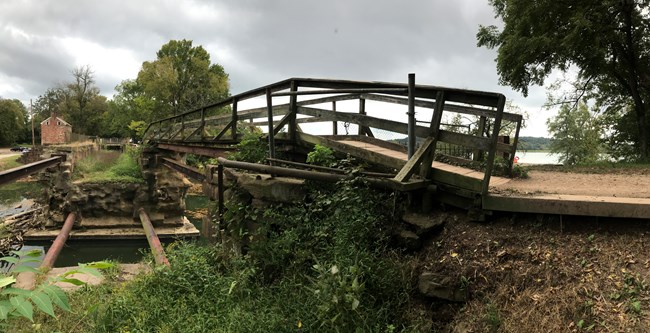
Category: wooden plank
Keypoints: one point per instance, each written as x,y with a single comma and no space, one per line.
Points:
570,205
341,91
414,162
448,107
323,100
381,159
366,139
368,121
436,118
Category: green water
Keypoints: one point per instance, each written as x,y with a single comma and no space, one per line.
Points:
12,193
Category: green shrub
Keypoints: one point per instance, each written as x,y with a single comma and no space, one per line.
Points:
322,156
251,148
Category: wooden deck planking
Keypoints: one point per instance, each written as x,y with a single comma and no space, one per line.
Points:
436,165
566,204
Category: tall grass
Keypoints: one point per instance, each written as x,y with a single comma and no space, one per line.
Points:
109,166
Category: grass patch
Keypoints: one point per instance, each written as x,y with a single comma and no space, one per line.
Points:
16,191
108,167
10,162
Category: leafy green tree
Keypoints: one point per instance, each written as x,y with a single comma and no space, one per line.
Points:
576,135
13,120
607,41
182,78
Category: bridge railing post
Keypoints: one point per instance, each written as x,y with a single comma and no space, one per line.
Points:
233,119
202,122
269,108
335,125
293,108
411,115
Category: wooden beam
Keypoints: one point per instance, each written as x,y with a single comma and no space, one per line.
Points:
414,162
436,118
493,146
223,131
323,100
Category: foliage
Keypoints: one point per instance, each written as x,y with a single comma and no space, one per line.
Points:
182,78
137,128
576,135
606,41
111,167
251,148
13,122
533,143
16,302
318,266
322,156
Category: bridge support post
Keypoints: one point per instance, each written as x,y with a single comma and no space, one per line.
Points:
335,125
411,115
269,108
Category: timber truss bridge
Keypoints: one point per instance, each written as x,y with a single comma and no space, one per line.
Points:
397,128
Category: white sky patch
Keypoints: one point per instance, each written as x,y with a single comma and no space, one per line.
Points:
109,64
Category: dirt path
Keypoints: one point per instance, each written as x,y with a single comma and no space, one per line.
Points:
630,184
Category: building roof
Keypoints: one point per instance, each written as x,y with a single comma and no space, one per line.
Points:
63,122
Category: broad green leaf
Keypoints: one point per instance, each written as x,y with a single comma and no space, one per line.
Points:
23,306
355,304
21,269
89,271
98,265
15,291
7,280
32,253
73,281
58,296
24,261
5,308
43,302
11,260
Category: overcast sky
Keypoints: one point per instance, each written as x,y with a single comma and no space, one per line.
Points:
257,42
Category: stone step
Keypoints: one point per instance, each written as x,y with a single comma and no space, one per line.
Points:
425,223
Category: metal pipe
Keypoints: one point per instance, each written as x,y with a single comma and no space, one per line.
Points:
152,238
411,115
57,245
304,174
28,169
339,171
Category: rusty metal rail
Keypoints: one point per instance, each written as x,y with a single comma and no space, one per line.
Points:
184,169
28,169
57,245
152,238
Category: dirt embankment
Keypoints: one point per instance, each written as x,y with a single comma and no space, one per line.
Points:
542,274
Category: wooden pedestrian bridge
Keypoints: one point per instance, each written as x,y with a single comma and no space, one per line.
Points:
398,129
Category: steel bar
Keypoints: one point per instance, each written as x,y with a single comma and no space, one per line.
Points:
184,169
57,245
152,238
28,169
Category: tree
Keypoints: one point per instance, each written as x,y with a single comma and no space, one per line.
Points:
182,78
82,102
576,135
13,120
607,41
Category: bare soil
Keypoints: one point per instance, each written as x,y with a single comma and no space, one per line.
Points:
531,273
629,183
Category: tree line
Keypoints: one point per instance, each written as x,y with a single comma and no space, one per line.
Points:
181,78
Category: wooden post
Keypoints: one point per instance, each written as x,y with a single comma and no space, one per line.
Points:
335,125
493,146
269,109
293,111
202,122
57,245
220,191
233,118
513,152
411,115
425,167
362,111
182,127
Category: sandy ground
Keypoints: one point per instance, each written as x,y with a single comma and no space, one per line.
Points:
631,185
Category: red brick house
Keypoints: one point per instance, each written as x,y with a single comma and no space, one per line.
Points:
55,130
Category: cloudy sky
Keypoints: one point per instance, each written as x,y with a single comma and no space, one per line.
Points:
257,41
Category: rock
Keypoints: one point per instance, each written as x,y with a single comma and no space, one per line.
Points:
276,189
408,239
425,224
442,287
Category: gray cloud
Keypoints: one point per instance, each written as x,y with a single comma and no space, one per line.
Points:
257,41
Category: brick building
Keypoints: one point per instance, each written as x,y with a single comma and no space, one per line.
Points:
55,130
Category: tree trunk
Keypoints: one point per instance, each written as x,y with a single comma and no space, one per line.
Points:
642,125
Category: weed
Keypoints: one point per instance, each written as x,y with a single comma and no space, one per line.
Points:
251,148
322,156
492,317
